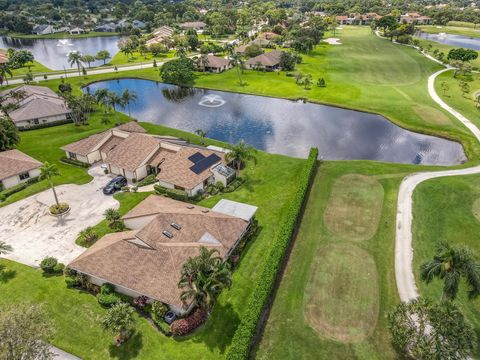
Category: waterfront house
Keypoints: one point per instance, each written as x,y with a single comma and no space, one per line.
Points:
268,61
212,63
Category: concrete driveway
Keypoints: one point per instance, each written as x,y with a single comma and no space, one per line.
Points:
34,234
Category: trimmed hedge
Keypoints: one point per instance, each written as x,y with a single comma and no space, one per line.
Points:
150,179
73,162
245,333
46,125
171,193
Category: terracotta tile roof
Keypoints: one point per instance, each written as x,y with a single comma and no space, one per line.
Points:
155,271
176,168
132,126
14,162
133,151
86,146
271,58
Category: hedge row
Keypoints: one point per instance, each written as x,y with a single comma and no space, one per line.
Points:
73,162
14,189
172,193
245,333
46,125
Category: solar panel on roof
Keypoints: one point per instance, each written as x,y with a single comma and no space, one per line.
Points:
204,164
195,158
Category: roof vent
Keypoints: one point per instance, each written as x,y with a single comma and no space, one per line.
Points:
167,233
190,207
176,226
205,211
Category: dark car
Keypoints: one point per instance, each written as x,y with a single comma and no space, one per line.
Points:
114,185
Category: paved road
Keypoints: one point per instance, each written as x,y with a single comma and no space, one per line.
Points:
405,279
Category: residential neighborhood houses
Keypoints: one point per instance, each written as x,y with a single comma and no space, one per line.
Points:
268,61
164,234
17,167
30,105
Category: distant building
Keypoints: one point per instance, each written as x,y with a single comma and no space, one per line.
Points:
269,61
110,27
195,25
43,29
212,63
138,24
415,18
76,31
160,35
34,105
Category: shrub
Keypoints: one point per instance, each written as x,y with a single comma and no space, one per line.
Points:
33,180
219,185
159,310
140,302
59,209
186,325
108,300
243,337
126,188
88,236
71,281
107,288
48,264
14,189
58,269
150,179
74,162
134,189
159,189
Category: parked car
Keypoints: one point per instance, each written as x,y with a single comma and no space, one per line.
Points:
114,185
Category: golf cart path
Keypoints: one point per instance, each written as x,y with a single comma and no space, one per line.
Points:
404,275
34,234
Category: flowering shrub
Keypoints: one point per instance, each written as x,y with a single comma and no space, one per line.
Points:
186,325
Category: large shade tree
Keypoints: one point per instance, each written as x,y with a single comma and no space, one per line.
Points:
9,136
452,264
203,278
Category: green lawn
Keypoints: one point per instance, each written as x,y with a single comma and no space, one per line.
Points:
455,30
62,35
445,209
338,287
120,58
34,67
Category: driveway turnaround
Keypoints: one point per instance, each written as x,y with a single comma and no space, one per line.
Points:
34,234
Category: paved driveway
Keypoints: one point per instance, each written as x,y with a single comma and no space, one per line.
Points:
34,234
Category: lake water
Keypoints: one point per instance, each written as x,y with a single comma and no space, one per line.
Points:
283,126
453,40
53,53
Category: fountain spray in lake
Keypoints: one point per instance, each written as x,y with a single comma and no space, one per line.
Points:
64,42
212,101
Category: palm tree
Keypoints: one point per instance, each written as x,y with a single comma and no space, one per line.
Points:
88,59
4,72
238,63
120,321
75,58
204,277
5,248
48,171
112,216
113,100
101,97
128,97
451,264
239,154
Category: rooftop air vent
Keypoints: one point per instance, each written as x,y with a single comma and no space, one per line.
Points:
205,211
176,226
167,234
190,207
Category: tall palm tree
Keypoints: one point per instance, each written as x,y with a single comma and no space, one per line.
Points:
451,264
238,63
128,97
204,277
5,71
113,100
75,58
101,97
48,171
239,154
5,248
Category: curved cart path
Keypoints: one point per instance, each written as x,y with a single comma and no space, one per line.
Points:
405,279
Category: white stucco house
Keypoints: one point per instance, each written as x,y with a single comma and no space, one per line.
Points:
17,167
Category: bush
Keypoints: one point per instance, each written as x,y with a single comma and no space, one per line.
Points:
88,236
150,179
186,325
134,189
243,337
126,189
33,180
108,300
14,189
159,310
159,189
164,328
107,288
177,194
219,185
73,162
45,125
140,302
58,269
59,209
48,265
71,281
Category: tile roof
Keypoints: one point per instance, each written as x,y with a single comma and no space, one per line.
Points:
271,58
215,61
155,270
132,126
176,168
133,151
87,145
14,162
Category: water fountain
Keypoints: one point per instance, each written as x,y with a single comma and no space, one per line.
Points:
212,101
64,42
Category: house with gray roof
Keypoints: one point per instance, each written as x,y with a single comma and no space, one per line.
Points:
29,106
212,63
43,29
269,61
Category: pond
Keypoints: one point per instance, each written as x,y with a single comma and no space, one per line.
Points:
53,53
453,40
283,126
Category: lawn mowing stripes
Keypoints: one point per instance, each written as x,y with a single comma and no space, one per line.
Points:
244,335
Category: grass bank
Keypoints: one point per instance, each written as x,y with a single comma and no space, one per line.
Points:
120,58
455,30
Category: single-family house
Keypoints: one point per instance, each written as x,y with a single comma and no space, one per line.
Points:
414,18
212,63
3,56
17,167
241,49
43,29
138,24
110,27
342,19
165,233
194,25
128,151
268,61
160,35
76,31
29,106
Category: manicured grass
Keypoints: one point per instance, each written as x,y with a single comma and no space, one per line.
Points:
336,291
444,209
465,104
62,35
120,58
443,48
34,67
455,30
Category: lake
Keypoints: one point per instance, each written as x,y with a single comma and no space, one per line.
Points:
453,40
283,126
53,53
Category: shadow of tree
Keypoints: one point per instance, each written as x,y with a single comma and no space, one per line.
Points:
6,275
129,349
249,183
